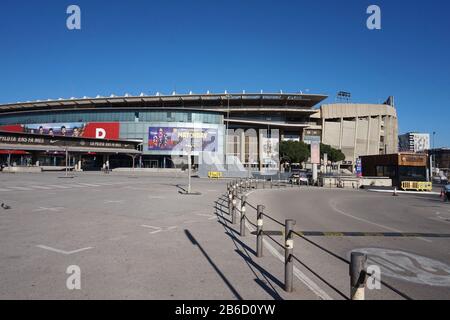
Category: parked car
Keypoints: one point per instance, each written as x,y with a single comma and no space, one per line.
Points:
300,178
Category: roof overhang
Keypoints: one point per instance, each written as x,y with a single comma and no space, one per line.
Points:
209,102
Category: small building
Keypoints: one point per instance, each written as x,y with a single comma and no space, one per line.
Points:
441,160
399,167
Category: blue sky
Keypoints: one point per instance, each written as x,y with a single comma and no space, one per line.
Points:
154,46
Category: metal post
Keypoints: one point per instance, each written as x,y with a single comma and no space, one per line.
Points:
357,275
189,171
259,231
230,200
233,206
67,158
271,183
243,203
288,255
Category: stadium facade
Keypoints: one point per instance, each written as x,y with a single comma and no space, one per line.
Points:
164,127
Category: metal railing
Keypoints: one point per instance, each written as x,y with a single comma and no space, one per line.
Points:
358,274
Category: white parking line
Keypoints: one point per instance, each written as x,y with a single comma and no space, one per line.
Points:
89,185
41,187
54,209
209,216
113,201
58,186
5,190
157,229
62,251
20,188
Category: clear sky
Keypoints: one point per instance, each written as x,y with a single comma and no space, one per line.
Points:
317,46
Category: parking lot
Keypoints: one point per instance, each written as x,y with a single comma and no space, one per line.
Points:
133,237
140,237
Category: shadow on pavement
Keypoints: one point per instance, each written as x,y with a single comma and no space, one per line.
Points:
265,279
229,285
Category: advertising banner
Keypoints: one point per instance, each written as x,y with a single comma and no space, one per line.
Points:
180,139
15,138
358,167
95,130
315,152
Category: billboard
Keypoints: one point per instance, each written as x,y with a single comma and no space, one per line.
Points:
315,152
181,139
421,142
96,130
414,142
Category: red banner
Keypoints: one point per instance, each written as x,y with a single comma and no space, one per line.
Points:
102,130
12,128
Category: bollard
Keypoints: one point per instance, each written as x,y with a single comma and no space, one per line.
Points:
271,183
357,275
243,203
395,192
230,201
288,255
259,231
233,206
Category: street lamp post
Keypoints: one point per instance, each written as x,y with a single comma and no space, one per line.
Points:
226,131
432,156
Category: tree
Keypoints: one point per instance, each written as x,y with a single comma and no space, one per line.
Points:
334,155
294,151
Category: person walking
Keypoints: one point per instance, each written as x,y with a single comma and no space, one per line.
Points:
447,193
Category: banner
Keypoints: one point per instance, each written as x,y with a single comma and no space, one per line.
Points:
315,152
95,130
181,139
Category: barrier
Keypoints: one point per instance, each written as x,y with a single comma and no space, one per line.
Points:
417,186
215,175
357,265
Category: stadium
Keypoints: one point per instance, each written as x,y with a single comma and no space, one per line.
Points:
158,131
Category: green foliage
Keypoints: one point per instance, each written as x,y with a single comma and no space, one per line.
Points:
334,155
294,151
298,152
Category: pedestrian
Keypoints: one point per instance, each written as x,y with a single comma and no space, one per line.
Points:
447,193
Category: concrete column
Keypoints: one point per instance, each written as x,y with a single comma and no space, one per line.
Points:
242,147
368,134
323,130
355,143
341,133
379,133
260,149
